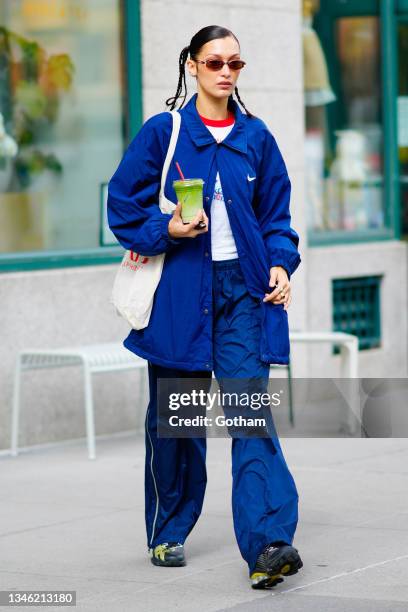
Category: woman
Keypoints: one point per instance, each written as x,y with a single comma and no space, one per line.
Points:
221,304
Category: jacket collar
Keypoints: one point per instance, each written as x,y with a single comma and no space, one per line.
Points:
236,139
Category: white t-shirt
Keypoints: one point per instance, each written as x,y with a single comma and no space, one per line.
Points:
222,240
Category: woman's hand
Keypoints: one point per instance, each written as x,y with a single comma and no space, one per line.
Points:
282,293
178,229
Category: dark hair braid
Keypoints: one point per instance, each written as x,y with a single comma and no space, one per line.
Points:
199,39
241,102
182,79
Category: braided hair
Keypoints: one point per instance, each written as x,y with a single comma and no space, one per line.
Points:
182,79
199,39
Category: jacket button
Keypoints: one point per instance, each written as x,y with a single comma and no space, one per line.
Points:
207,365
206,253
207,198
205,310
229,201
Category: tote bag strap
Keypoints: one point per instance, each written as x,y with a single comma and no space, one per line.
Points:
170,151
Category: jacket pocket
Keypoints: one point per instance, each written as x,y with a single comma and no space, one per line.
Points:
275,333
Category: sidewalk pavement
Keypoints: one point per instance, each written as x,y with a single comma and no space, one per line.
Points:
70,523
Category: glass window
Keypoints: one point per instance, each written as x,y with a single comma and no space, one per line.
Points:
344,137
61,123
402,106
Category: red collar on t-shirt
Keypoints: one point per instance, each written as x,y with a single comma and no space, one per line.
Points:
230,120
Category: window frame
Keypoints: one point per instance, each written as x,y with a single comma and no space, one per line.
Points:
387,12
130,29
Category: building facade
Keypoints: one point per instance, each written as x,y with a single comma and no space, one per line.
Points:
77,79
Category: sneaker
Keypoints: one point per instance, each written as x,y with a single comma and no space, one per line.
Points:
168,554
275,561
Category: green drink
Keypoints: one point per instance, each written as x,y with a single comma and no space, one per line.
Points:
190,193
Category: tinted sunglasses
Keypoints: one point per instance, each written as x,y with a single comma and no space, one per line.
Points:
215,64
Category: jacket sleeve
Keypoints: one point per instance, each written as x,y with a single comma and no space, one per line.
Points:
133,211
271,208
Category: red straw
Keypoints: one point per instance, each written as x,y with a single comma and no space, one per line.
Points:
180,172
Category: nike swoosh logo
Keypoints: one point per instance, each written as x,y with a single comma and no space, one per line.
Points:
251,178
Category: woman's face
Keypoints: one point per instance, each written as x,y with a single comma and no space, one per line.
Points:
210,82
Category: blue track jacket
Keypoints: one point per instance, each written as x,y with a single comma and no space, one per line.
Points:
179,334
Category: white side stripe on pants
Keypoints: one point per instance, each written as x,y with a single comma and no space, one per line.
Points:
154,479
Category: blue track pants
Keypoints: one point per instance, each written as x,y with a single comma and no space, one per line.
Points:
264,494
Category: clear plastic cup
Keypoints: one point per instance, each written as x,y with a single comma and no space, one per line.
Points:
190,193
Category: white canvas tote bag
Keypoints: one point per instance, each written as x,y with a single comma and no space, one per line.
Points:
138,275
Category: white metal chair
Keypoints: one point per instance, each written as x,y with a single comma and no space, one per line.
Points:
94,359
